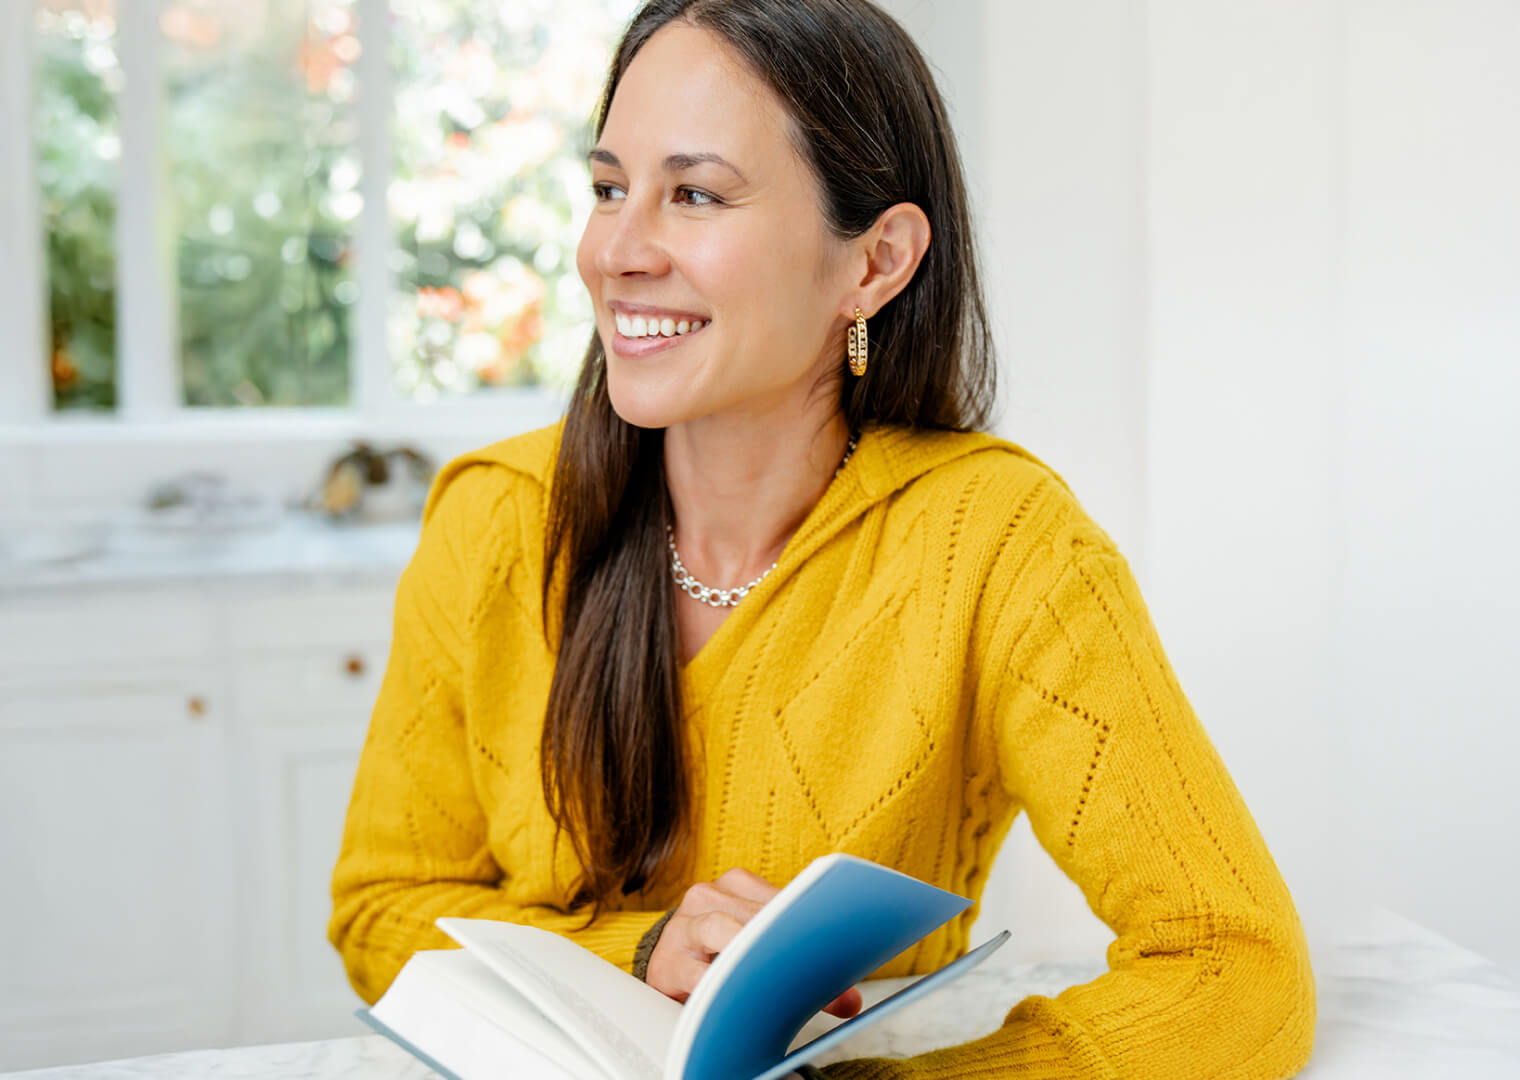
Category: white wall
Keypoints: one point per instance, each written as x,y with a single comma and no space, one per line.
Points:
1431,459
1243,403
1256,273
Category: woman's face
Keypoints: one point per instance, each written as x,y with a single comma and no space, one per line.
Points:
707,219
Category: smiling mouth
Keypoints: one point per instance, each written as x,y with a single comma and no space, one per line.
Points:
635,327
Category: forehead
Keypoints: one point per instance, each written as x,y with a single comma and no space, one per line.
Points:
687,89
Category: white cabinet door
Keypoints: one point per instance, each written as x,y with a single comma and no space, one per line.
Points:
117,872
295,988
309,667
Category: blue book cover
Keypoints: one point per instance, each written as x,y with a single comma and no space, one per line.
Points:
836,923
841,919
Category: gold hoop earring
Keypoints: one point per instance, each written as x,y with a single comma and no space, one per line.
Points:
855,348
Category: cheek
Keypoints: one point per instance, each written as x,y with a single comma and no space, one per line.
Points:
781,262
734,271
585,256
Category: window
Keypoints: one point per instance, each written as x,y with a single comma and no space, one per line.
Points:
364,205
78,145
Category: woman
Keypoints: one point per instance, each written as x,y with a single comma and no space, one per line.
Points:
918,631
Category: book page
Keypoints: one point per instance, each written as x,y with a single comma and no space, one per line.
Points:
622,1024
453,1008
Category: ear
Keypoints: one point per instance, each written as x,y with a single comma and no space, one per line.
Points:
893,248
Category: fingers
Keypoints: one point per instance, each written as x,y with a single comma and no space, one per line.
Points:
709,916
711,932
685,951
740,882
845,1005
708,896
677,975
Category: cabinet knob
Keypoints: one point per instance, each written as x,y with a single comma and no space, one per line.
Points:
354,665
196,706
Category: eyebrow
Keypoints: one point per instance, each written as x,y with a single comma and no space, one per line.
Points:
673,163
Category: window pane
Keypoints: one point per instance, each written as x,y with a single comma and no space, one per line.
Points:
75,130
263,171
493,103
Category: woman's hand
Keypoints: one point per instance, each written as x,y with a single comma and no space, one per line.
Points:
710,915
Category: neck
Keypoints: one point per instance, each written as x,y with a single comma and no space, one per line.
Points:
741,487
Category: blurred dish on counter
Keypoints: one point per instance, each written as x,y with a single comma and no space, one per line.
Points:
366,484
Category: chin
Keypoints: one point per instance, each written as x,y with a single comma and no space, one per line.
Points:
643,401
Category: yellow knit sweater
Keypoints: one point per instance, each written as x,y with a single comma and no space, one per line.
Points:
947,640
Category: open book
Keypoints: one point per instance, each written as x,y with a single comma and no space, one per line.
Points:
521,1002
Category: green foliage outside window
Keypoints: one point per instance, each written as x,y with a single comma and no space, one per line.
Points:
75,115
262,165
493,110
261,175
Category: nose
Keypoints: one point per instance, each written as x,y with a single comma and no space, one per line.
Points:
632,243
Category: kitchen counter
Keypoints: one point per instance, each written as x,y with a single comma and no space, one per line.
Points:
1396,1002
127,553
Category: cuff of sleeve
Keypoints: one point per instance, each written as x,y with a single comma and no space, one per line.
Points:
646,945
1036,1041
860,1069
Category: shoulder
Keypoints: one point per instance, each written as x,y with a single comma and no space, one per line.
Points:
483,520
508,469
1006,539
988,491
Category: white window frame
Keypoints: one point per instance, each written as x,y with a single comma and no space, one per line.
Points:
22,320
149,400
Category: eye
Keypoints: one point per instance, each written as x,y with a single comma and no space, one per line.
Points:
605,192
690,196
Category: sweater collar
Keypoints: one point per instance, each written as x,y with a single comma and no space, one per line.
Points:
886,460
891,457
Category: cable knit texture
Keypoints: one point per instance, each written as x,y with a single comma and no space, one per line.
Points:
948,640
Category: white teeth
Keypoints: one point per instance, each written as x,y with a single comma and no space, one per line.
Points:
637,326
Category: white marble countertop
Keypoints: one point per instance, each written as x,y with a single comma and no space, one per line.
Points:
290,544
1396,1002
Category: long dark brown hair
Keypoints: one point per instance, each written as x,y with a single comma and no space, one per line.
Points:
869,122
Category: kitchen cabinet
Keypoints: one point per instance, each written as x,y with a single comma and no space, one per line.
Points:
176,756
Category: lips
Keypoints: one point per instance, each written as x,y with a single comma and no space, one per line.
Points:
643,332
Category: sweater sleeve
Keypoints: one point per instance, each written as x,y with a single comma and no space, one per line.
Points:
416,841
1209,973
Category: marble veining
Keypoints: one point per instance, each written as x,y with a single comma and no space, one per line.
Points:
1396,1002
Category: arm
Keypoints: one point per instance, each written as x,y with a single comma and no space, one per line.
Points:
1209,975
415,844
